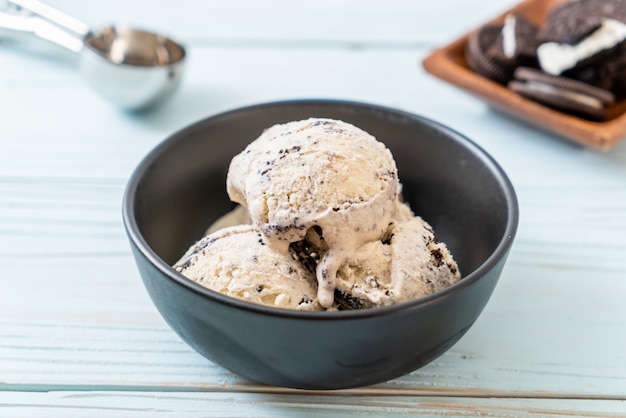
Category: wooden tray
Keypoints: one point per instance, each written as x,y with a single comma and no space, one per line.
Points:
448,63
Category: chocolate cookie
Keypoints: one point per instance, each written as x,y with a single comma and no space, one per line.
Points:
574,20
517,42
562,93
580,33
478,58
609,73
616,74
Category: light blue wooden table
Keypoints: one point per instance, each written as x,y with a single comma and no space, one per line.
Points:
79,336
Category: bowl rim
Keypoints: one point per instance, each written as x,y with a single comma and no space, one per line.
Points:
137,239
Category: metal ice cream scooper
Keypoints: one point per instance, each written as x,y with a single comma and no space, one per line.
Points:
132,68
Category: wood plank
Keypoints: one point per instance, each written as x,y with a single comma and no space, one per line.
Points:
396,21
198,404
540,344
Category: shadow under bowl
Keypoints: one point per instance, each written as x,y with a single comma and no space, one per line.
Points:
178,190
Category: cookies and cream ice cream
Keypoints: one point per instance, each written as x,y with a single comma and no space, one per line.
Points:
237,262
410,264
317,172
325,227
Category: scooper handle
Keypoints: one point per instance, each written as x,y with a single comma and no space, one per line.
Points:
33,16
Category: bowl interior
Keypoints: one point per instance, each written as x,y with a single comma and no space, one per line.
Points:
180,190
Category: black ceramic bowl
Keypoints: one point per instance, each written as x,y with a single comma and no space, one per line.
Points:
179,189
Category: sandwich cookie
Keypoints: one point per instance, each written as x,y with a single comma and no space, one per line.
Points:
608,73
579,33
482,62
562,93
516,45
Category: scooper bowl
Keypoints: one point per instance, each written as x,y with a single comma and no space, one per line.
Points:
133,68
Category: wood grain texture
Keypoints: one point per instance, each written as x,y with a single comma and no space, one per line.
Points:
79,335
167,404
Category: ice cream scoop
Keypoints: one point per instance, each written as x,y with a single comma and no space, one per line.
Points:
132,68
317,173
236,260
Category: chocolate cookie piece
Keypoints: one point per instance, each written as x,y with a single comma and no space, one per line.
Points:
609,73
574,20
517,43
562,93
480,61
616,73
556,58
581,33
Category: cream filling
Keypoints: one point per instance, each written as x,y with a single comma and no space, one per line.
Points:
508,36
578,97
555,58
